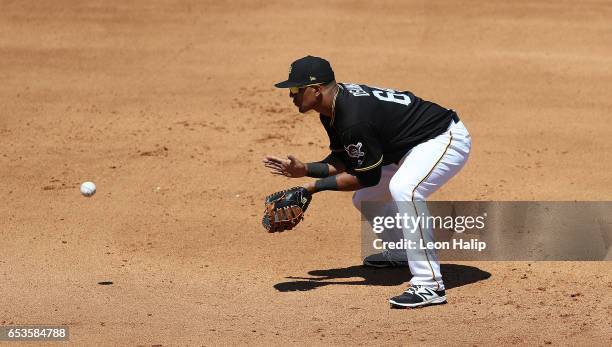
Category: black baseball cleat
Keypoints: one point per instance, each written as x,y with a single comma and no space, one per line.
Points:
416,296
384,259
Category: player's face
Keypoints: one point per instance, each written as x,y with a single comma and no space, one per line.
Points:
305,98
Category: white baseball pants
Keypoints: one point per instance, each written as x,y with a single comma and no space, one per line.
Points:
422,171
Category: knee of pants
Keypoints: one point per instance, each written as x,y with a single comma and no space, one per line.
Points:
405,191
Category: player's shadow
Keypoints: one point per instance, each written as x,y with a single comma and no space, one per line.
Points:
454,275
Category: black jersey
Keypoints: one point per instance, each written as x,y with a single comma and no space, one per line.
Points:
375,126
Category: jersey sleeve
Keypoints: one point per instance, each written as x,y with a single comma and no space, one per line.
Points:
335,145
362,147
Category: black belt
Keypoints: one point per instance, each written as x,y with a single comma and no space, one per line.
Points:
455,117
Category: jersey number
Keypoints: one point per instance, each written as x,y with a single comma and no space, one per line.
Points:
392,96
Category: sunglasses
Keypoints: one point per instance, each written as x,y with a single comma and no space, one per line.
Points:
295,90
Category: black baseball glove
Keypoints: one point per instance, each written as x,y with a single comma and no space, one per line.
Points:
285,209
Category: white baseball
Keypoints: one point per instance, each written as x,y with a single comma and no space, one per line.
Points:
88,189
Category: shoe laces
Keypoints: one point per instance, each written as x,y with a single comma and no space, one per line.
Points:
386,254
391,258
413,289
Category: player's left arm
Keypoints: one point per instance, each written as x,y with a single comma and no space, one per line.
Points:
346,182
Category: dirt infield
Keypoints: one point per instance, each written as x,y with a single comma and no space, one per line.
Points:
169,107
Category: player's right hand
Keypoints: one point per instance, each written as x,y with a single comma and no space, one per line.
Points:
289,167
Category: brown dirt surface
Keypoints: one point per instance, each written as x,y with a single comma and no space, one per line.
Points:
168,106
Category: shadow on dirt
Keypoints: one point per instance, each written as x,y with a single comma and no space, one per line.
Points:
454,275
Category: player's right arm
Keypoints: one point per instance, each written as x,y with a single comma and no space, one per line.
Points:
294,168
330,166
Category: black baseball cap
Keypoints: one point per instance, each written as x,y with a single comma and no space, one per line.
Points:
307,71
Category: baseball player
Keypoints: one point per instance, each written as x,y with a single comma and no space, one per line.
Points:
386,145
